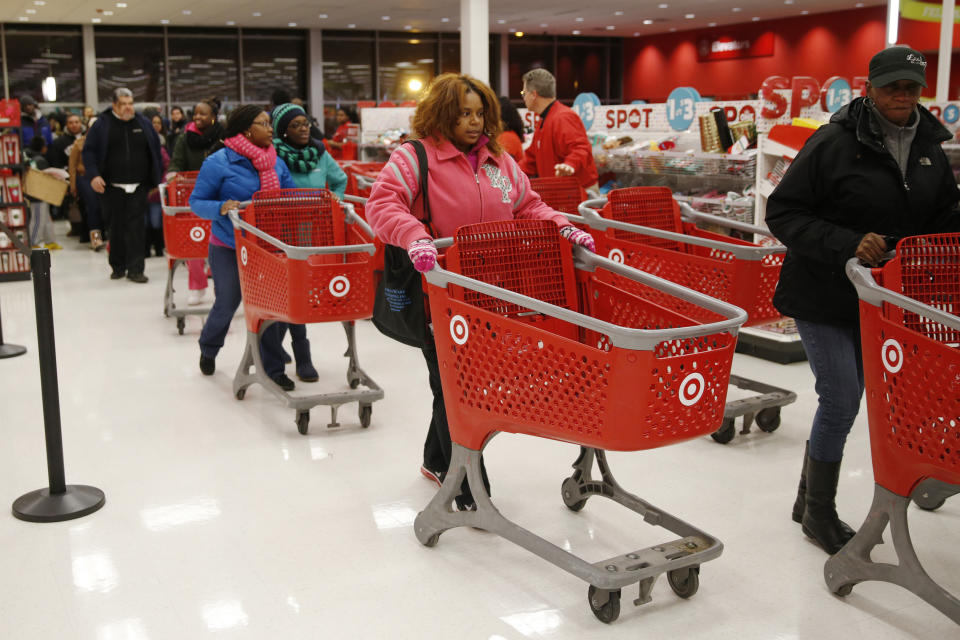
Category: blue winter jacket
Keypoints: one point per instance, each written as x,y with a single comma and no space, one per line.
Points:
327,175
227,175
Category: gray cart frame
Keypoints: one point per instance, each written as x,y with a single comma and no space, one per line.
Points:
764,406
251,371
679,558
170,308
852,564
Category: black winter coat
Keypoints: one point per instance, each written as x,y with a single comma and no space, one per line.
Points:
842,185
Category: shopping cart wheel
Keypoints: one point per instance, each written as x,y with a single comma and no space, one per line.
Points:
366,411
303,422
568,490
725,433
240,394
684,582
181,323
844,590
353,379
768,419
607,611
929,504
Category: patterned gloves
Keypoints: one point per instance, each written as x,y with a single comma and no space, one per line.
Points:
576,236
423,254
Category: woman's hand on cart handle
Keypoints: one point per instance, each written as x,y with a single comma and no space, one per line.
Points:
228,206
872,248
578,237
423,254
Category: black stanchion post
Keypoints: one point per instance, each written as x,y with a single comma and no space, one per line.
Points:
59,501
9,350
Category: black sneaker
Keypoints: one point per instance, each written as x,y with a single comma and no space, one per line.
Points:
137,277
117,274
430,474
283,382
207,365
465,503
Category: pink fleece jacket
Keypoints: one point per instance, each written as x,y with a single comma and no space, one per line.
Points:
499,190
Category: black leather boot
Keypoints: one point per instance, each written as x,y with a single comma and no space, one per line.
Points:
801,501
820,520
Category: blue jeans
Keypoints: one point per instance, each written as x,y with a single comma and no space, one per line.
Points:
835,358
227,298
154,215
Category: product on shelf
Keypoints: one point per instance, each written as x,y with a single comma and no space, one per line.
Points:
779,169
11,148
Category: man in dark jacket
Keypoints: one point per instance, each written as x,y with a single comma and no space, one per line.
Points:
560,145
122,159
32,122
875,173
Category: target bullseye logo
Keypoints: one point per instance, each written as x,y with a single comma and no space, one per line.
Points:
892,355
243,255
197,234
339,287
616,255
691,389
459,330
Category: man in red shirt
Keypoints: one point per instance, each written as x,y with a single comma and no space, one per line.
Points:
560,146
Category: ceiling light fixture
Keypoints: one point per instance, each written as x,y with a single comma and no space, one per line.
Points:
23,19
712,24
385,18
230,23
736,9
893,20
804,12
576,32
636,33
664,5
578,19
351,26
186,12
755,19
121,5
257,14
544,24
95,20
501,21
108,13
39,3
519,34
31,11
610,27
444,19
618,13
164,21
291,24
690,16
648,21
323,16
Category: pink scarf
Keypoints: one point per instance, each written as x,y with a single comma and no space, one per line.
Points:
263,160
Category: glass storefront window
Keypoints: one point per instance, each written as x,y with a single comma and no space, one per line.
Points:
202,65
131,58
580,68
348,64
272,62
525,54
406,66
34,54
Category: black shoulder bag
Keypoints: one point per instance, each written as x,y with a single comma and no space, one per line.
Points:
398,307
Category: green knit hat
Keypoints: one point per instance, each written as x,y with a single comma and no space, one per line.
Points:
283,115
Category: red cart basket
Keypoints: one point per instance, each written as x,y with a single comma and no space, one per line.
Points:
910,334
563,194
530,342
186,236
643,228
360,177
304,258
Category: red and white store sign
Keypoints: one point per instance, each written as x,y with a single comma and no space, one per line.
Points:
726,47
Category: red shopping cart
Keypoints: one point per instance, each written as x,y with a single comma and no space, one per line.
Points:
186,236
304,258
563,194
360,178
530,342
910,333
642,227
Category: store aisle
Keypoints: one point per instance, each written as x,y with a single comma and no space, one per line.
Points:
221,520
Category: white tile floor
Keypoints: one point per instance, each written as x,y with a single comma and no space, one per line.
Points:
222,520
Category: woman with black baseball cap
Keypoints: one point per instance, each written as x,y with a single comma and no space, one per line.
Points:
876,171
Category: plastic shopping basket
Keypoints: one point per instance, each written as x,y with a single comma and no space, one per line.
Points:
186,236
530,342
643,228
304,258
910,333
563,194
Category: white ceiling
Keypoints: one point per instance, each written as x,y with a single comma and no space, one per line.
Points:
603,17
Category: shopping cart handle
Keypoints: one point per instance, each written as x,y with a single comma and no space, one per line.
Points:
299,253
870,292
624,337
355,199
364,182
353,218
692,214
588,208
739,251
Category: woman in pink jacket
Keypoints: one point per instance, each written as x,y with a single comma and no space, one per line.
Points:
470,179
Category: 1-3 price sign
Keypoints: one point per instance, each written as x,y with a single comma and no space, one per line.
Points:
585,106
682,107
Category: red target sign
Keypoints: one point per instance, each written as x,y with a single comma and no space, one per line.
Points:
243,256
198,233
459,330
339,287
691,389
891,353
616,255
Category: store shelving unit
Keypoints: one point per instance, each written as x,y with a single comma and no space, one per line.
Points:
14,265
776,150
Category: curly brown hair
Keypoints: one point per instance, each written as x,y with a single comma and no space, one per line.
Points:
438,112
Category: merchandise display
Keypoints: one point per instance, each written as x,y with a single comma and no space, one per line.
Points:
14,215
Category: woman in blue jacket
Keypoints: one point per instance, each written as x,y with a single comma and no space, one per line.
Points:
248,164
311,168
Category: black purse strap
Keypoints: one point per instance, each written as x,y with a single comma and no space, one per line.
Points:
424,169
